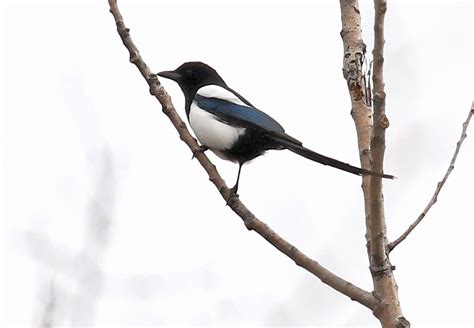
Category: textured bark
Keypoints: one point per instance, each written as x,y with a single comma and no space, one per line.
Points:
385,285
354,55
377,142
371,141
250,220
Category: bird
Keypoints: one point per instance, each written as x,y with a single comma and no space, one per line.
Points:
230,126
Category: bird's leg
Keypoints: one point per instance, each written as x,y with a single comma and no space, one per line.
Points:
200,149
236,187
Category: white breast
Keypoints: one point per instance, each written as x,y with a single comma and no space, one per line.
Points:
210,131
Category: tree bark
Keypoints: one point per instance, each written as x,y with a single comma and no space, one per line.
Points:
371,142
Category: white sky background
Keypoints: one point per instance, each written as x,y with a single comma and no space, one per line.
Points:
82,139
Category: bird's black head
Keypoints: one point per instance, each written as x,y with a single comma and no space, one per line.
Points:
193,75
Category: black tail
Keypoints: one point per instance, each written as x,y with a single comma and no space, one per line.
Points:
309,154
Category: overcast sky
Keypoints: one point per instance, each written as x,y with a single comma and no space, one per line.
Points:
107,221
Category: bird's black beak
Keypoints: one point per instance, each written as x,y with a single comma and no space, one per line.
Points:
172,75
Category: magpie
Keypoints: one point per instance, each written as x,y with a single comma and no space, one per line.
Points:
229,125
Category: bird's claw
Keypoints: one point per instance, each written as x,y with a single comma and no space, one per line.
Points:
232,196
234,190
200,149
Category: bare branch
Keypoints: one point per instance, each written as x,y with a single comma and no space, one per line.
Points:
251,222
371,141
47,319
354,55
439,186
384,283
379,260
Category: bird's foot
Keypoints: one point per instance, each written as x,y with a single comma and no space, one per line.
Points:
200,149
232,196
234,190
234,193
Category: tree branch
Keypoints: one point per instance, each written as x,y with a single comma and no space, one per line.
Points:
354,56
377,144
371,141
384,281
439,186
250,221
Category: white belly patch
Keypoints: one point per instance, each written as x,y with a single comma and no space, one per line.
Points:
210,131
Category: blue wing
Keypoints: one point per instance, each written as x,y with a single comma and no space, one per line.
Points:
239,115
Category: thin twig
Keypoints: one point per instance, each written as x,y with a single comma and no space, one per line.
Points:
251,222
439,186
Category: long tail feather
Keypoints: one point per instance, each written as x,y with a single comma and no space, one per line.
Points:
309,154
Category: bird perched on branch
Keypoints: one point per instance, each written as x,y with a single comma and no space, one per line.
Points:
230,126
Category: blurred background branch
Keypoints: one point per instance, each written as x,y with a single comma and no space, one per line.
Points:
58,304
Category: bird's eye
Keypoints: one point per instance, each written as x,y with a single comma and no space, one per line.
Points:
188,73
